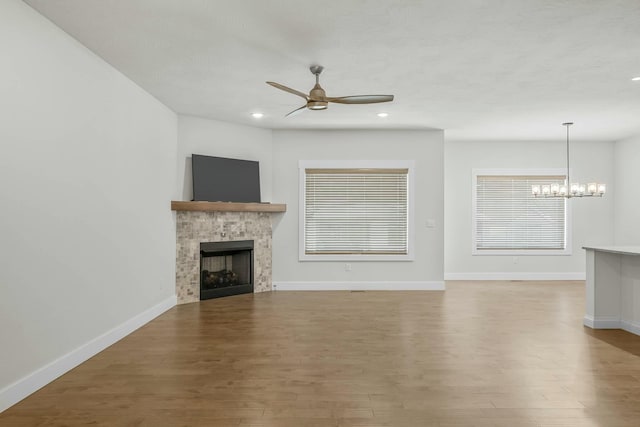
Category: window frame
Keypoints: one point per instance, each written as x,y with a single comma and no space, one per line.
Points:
518,252
356,164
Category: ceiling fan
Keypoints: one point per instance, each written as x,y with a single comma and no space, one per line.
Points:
318,100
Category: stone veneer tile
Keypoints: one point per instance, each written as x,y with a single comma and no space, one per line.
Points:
192,228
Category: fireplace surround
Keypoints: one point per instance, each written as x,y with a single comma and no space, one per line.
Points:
198,222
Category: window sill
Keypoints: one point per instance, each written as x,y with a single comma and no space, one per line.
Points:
355,258
521,252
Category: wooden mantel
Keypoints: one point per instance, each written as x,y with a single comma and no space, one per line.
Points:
227,207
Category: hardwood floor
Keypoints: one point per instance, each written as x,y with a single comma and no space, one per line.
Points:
480,354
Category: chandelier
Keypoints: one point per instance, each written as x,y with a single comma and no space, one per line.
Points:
575,189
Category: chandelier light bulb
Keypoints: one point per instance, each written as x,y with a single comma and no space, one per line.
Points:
555,188
535,190
602,188
575,187
563,190
592,188
546,190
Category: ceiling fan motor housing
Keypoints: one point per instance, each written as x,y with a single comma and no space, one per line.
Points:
317,98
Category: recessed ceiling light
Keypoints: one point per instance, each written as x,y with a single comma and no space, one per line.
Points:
636,79
257,115
383,114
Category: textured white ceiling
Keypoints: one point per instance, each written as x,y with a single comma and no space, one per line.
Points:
480,69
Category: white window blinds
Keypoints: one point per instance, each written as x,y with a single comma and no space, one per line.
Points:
355,211
509,217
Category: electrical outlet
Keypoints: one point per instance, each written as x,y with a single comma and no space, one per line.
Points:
515,259
347,267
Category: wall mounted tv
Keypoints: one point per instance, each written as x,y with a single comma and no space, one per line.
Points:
218,179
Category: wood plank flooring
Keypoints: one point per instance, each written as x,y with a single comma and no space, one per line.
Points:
480,354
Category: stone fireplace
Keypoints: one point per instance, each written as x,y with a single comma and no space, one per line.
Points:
213,222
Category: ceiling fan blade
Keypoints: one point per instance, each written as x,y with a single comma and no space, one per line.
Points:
288,89
361,99
296,111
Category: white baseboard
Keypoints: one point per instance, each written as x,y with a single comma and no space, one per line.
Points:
22,388
359,286
515,276
588,321
612,323
630,326
602,322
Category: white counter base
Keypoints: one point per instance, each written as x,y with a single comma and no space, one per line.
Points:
613,288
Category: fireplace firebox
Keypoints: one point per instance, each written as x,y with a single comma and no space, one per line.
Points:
226,268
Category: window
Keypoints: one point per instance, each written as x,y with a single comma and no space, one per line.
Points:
355,211
508,220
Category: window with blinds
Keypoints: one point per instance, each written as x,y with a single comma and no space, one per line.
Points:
355,211
508,218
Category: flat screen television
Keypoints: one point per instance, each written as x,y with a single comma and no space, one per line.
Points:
218,179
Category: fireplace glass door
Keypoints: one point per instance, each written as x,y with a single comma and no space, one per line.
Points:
226,268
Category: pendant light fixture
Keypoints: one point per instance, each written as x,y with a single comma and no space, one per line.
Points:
569,189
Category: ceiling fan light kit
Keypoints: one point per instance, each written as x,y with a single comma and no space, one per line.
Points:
317,98
574,189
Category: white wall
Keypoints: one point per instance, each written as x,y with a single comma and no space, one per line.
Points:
592,217
87,166
627,204
425,147
222,139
